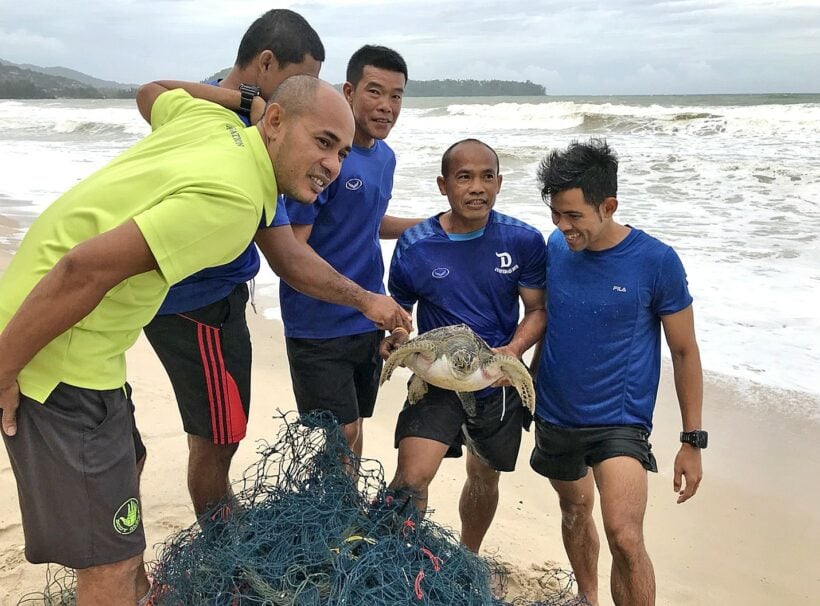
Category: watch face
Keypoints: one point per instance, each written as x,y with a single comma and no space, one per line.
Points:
698,439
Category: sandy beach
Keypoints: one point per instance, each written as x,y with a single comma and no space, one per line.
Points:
749,536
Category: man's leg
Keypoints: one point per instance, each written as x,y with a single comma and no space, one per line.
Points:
622,483
578,531
479,500
208,467
109,584
419,460
353,435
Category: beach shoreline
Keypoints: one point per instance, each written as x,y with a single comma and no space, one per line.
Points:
748,537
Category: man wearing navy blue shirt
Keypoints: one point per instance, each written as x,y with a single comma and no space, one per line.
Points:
611,288
333,350
469,265
200,333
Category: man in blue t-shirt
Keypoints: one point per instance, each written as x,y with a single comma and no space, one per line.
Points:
611,288
333,350
200,333
469,265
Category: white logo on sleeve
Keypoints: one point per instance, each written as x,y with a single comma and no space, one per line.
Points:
504,262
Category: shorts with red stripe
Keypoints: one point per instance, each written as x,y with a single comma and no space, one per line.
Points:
207,355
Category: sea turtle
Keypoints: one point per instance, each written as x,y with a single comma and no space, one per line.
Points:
454,357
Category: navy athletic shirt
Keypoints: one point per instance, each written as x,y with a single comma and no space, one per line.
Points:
600,364
346,218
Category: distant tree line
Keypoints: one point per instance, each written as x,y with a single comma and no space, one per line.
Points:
19,83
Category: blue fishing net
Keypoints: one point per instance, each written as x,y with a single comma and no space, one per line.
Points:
312,525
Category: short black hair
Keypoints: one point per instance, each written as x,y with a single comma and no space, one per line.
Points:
377,56
283,32
445,158
591,166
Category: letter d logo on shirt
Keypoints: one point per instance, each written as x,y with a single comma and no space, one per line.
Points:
505,259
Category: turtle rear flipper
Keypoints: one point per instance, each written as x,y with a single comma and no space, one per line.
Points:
468,402
416,389
520,377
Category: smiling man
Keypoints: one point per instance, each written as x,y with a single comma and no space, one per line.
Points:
470,265
92,271
333,350
611,289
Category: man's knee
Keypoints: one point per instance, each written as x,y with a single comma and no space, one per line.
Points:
625,539
352,431
480,477
122,573
576,500
202,451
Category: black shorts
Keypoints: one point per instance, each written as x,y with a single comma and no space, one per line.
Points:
75,461
493,435
339,374
567,453
207,355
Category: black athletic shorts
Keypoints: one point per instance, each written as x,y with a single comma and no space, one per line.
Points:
75,461
339,374
567,453
207,355
493,435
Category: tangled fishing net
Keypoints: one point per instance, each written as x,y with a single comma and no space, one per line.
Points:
303,530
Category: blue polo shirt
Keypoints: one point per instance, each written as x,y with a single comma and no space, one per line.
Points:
346,218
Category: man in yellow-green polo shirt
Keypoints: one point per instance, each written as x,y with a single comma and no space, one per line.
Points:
92,271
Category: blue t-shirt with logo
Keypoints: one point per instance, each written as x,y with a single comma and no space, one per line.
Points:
600,362
215,283
346,218
470,279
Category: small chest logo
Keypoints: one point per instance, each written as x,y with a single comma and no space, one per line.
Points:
354,184
504,262
441,272
619,288
127,517
234,133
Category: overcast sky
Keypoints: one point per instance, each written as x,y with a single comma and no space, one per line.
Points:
572,47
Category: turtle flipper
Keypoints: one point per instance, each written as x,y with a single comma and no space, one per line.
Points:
416,389
467,402
520,377
401,353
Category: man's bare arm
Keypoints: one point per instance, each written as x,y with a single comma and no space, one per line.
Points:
65,295
392,227
679,329
530,329
296,263
227,98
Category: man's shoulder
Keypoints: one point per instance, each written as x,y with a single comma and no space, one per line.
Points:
416,235
517,227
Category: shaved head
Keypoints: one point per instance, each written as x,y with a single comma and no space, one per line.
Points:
298,93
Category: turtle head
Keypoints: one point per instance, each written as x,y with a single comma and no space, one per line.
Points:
463,362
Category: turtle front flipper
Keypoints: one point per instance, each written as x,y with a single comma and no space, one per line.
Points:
416,389
520,377
401,353
467,402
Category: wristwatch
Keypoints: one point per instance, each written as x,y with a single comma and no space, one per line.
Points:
246,94
697,438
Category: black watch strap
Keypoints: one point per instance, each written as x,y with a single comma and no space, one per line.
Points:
246,94
697,438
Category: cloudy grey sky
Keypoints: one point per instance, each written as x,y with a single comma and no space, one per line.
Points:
572,47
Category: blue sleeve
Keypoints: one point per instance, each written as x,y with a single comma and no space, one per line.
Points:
280,216
399,283
672,288
534,272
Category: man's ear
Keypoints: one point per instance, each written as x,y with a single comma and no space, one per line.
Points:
440,181
266,60
500,179
272,120
608,207
347,91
